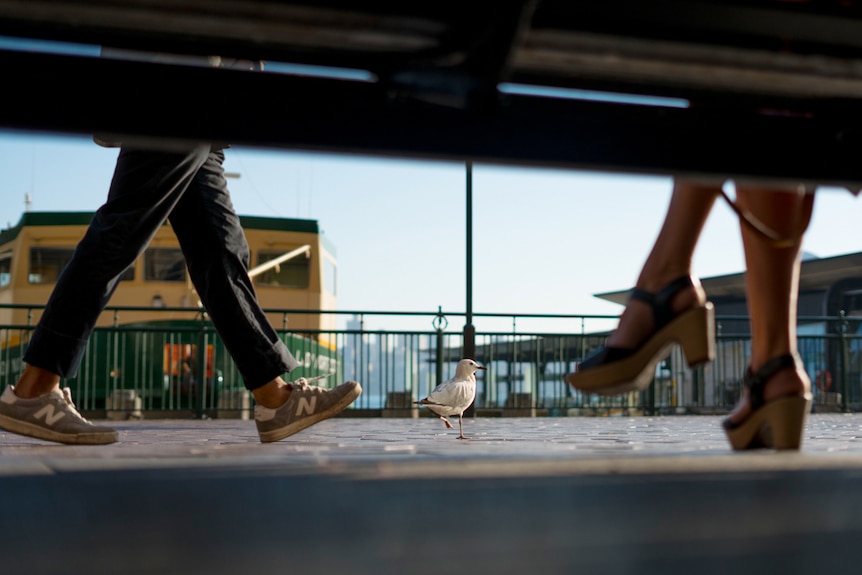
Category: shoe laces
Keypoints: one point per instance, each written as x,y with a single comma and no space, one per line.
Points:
70,405
302,384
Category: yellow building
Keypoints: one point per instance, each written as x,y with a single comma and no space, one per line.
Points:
35,250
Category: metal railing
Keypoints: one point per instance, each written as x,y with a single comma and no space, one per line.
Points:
158,369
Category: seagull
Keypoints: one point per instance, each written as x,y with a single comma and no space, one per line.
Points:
454,396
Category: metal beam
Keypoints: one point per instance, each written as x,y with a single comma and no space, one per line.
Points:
162,102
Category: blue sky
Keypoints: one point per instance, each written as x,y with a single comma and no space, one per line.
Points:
545,240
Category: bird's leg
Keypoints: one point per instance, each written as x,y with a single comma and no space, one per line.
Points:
461,428
446,421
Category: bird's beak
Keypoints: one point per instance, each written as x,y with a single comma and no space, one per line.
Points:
481,367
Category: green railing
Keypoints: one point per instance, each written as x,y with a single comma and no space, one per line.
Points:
156,369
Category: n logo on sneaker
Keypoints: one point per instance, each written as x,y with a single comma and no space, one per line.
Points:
307,405
49,414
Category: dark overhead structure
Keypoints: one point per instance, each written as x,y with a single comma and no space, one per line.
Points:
772,87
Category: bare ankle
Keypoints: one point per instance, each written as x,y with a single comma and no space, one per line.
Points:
787,382
35,381
637,320
273,394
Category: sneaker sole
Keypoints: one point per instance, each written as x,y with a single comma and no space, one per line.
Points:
296,427
23,428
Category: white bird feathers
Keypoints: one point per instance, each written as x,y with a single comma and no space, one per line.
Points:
454,396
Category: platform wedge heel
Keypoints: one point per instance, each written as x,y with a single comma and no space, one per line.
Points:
778,424
614,370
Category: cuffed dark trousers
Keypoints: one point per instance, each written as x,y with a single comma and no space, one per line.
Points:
187,188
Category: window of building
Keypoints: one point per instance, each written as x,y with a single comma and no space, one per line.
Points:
46,264
5,269
164,265
293,273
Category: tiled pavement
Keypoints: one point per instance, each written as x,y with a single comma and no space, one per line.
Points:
354,495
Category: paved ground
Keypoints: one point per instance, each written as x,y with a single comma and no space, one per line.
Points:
545,495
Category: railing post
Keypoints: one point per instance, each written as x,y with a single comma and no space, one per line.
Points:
439,323
362,368
201,383
843,326
469,341
583,336
649,408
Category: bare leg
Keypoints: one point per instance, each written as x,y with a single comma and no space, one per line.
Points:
772,281
670,258
446,421
461,426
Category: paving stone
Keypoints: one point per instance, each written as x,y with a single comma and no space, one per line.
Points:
230,442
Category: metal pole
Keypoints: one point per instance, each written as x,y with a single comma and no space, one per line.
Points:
440,323
201,387
469,331
845,356
469,349
440,357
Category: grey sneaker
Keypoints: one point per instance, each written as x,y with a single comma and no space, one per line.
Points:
307,405
51,416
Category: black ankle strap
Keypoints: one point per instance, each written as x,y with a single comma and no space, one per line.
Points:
755,382
660,301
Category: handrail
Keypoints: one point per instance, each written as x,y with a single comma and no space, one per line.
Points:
396,366
297,311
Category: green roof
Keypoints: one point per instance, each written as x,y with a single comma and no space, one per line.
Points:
32,219
279,224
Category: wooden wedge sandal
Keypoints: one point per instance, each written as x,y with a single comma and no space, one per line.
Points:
777,424
613,370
